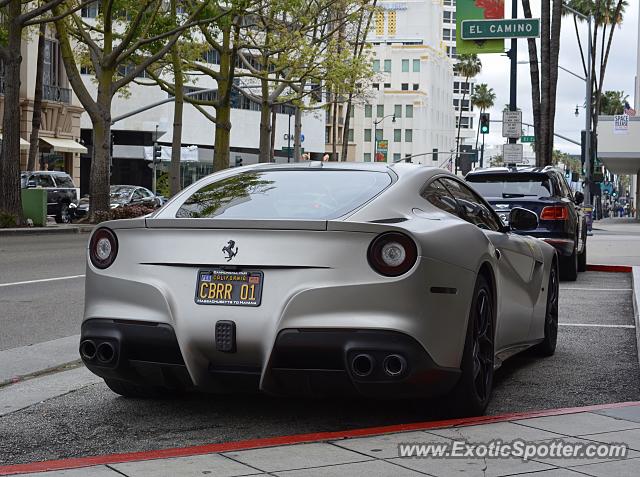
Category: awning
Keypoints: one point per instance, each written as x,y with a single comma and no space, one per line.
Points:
24,145
64,145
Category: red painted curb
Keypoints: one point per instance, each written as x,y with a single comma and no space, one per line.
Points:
75,463
610,268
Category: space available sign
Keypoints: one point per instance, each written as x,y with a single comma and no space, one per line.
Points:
478,10
621,124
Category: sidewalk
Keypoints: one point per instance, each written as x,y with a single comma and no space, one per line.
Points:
373,452
614,242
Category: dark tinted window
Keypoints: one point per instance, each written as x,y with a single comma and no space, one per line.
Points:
285,194
65,181
440,197
470,206
507,185
43,180
120,192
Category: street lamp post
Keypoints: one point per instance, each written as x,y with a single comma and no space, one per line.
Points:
374,138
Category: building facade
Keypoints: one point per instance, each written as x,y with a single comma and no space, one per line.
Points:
461,88
59,136
408,110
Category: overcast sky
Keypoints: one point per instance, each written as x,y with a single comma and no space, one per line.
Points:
620,75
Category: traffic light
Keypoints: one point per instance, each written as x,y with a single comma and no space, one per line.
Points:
157,152
238,161
484,123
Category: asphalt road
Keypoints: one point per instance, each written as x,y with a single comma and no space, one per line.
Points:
592,365
42,311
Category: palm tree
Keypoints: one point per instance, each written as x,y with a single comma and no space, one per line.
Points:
612,102
468,66
484,98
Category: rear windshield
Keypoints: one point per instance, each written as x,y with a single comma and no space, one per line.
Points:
285,194
505,186
65,181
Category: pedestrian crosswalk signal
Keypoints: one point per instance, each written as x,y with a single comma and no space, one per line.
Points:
484,123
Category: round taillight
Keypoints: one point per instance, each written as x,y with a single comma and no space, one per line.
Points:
103,248
392,254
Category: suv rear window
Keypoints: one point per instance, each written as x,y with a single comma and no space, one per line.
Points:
511,185
64,181
285,194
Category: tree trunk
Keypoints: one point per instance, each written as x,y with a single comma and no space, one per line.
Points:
10,194
265,125
345,130
545,58
272,149
100,179
223,142
297,135
223,108
36,120
176,140
334,129
553,71
464,95
534,70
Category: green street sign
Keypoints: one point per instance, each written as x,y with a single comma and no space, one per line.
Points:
500,29
527,139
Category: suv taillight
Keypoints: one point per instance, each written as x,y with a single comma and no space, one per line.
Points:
392,254
103,248
555,213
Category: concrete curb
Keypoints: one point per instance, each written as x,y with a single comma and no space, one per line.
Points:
635,283
52,230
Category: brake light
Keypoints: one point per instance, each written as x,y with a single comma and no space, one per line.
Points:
555,213
392,254
103,248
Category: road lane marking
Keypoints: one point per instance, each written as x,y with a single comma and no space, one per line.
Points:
597,325
598,289
28,282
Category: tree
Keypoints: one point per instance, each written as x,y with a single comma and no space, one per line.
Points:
613,102
483,98
468,66
36,119
607,14
126,39
15,17
544,81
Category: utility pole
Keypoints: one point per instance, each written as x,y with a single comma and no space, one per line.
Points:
513,56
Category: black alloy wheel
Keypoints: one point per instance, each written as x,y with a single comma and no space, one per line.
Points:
548,345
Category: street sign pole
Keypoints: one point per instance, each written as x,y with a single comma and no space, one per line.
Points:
513,55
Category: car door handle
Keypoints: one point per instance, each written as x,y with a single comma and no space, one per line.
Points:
498,254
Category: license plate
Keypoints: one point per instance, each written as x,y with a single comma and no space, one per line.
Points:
223,287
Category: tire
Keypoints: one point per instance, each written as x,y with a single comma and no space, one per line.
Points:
471,395
582,259
569,266
64,215
548,345
138,391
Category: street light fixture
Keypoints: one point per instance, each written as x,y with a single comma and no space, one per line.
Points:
375,139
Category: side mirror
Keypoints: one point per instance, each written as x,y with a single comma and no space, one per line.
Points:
522,219
578,197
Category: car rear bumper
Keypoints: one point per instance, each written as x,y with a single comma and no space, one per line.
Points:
303,362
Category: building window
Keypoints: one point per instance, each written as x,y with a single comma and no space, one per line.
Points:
404,87
376,66
416,86
397,135
367,135
387,85
350,135
408,135
327,135
352,111
391,23
50,66
211,56
465,122
367,157
387,66
450,3
380,23
367,110
409,111
375,86
452,52
380,110
448,34
379,134
396,157
397,110
416,66
90,11
405,66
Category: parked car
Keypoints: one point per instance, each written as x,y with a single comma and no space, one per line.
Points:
544,191
62,193
123,195
315,278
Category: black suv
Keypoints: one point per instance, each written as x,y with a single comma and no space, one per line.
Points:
61,191
545,192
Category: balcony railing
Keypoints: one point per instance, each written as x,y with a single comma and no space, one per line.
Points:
56,93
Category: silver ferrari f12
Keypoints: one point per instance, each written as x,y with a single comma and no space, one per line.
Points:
384,281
